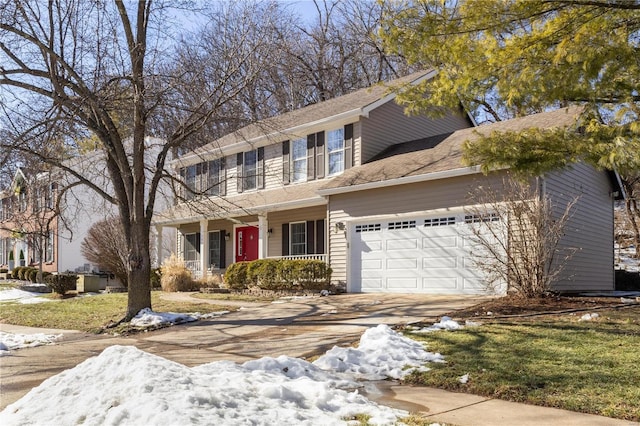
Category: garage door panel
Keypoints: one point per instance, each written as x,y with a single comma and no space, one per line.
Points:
401,244
402,283
450,283
402,264
369,283
439,262
372,264
439,242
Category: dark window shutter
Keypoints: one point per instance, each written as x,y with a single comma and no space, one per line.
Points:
285,239
260,169
286,168
223,177
348,146
311,241
320,155
240,177
311,148
320,236
223,252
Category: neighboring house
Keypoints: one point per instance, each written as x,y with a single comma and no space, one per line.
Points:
28,228
378,194
80,208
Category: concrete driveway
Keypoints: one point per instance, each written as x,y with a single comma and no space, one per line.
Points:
301,327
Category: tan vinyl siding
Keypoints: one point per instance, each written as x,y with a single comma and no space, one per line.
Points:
388,125
590,229
273,166
276,220
357,143
443,194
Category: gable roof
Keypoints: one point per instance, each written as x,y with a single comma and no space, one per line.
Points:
436,157
358,103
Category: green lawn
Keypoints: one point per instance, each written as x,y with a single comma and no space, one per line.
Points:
590,366
90,313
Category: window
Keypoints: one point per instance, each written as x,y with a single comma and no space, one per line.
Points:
190,181
299,238
368,228
3,251
48,248
250,169
192,247
335,151
406,224
299,160
474,218
216,249
213,177
440,221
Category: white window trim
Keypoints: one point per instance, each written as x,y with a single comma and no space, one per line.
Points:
291,251
328,153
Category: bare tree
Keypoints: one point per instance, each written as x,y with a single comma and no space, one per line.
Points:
105,245
110,71
518,231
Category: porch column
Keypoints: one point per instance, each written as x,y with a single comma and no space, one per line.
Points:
159,258
263,226
204,246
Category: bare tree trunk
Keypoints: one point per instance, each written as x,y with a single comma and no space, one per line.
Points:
139,273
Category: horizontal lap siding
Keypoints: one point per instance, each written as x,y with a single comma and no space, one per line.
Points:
590,229
402,199
389,125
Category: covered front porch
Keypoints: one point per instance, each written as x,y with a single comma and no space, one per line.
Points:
209,245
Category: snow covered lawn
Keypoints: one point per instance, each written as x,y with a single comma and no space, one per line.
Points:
126,386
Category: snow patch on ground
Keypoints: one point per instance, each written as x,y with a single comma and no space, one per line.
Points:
445,323
147,318
126,386
22,296
11,341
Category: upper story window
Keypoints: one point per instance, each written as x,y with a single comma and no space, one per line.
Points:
207,178
320,154
299,160
335,151
250,166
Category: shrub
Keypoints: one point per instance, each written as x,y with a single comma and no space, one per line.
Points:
33,275
45,275
156,276
176,276
210,281
235,276
61,283
16,272
279,274
265,274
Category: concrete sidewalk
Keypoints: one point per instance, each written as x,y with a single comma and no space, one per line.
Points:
298,328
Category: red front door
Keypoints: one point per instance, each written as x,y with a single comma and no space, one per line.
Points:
246,243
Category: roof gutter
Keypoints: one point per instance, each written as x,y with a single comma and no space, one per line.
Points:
401,181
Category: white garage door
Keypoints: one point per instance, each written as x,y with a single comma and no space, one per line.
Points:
417,255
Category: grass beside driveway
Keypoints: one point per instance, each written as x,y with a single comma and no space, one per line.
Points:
90,313
558,361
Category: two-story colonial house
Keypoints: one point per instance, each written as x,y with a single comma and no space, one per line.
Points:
376,193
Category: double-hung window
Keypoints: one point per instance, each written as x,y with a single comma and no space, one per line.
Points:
299,160
48,248
298,238
335,151
192,247
216,249
215,179
250,167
